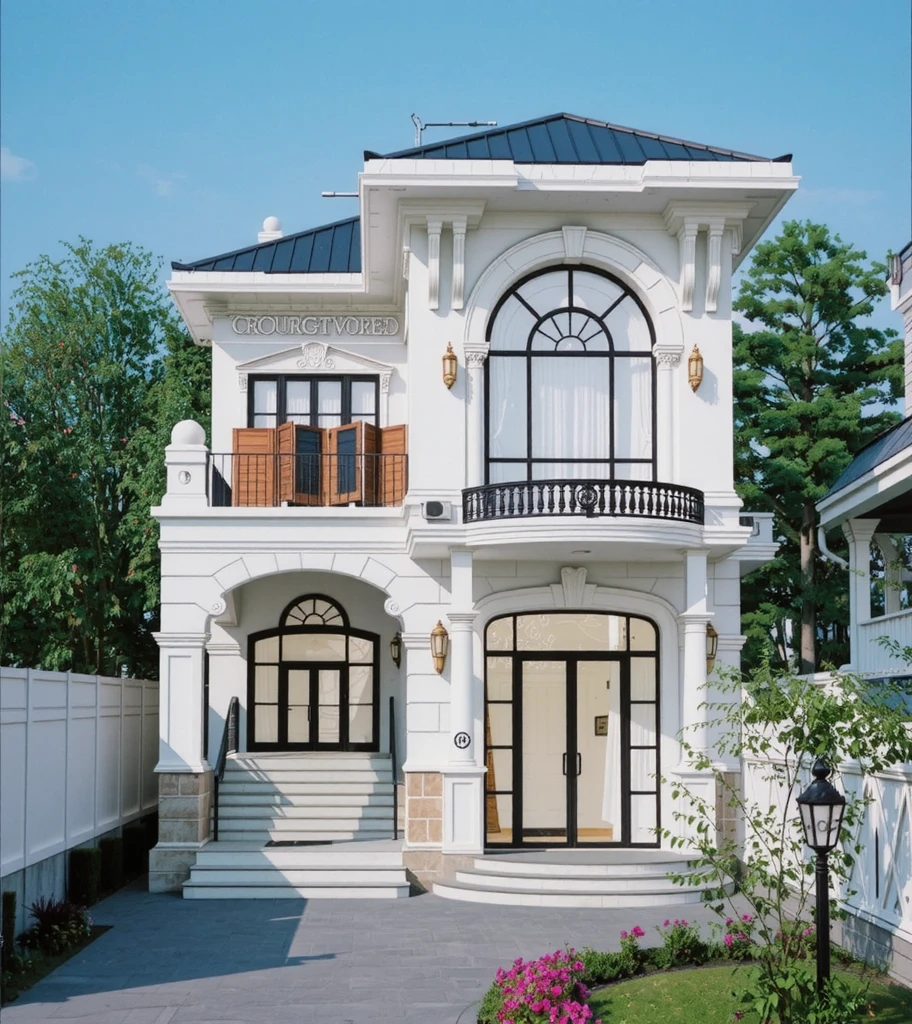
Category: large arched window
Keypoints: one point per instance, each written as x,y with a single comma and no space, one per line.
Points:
570,384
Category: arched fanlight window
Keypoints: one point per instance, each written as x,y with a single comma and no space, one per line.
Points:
570,381
314,610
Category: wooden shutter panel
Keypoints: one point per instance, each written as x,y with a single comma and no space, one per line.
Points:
342,479
285,447
393,469
253,477
308,468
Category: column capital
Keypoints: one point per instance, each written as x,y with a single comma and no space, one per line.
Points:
462,621
191,640
476,353
860,529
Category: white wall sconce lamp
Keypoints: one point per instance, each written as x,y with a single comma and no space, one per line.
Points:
440,642
396,649
695,369
712,647
450,366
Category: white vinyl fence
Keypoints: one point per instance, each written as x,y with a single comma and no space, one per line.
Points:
77,759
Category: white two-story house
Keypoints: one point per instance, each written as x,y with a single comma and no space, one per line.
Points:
449,571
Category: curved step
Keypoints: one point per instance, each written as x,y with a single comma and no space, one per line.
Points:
452,889
624,863
570,883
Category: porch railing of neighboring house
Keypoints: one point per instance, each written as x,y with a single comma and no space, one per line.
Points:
393,768
229,746
271,480
869,655
627,498
901,271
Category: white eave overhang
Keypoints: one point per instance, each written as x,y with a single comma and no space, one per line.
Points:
883,483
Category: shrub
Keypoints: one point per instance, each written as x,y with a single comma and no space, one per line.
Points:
681,943
544,990
601,967
58,925
631,958
737,941
112,863
135,851
9,927
85,872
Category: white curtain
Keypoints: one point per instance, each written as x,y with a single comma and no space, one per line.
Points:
571,410
633,411
507,410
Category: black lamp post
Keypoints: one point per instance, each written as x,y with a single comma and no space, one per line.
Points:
822,807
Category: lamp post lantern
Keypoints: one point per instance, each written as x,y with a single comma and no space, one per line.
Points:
822,807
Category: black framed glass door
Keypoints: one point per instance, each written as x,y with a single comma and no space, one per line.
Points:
311,699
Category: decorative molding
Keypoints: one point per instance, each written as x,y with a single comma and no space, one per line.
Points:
687,240
315,357
434,227
667,357
714,264
573,591
385,383
242,382
406,259
476,355
574,243
458,286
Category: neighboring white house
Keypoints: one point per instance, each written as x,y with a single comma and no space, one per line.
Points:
499,399
872,503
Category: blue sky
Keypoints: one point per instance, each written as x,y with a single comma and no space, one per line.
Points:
180,124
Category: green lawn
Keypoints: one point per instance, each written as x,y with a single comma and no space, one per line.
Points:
704,997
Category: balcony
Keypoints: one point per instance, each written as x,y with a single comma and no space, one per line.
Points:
270,480
632,499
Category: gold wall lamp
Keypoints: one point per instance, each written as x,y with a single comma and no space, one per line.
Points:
440,641
449,366
695,369
396,649
712,647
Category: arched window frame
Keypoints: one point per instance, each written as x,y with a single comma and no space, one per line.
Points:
528,353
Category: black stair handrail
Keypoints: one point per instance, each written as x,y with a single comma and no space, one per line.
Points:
393,767
229,746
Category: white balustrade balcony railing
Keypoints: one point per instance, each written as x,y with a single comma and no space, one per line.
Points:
870,656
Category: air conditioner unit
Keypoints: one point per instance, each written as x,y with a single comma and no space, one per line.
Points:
437,510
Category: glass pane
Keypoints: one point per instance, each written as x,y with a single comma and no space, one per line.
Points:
642,679
642,635
361,684
506,472
329,723
598,738
574,631
264,421
264,396
643,819
363,398
313,647
329,397
500,678
298,686
267,650
629,328
299,724
594,292
500,635
297,400
329,685
643,770
544,725
500,719
500,770
266,684
512,326
499,818
267,723
360,650
507,408
360,723
642,725
571,407
633,408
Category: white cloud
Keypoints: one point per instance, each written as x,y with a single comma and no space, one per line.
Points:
15,168
162,183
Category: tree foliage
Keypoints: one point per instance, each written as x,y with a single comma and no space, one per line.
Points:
96,370
812,378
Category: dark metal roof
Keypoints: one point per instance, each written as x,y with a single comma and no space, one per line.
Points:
891,443
331,249
567,139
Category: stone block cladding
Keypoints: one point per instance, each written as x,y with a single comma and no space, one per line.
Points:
184,807
424,808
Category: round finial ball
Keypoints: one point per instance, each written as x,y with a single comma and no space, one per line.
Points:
272,224
188,432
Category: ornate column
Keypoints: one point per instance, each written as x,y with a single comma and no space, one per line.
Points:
859,533
475,356
667,362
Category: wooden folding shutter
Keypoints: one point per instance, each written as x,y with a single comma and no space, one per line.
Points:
299,453
342,477
393,469
253,476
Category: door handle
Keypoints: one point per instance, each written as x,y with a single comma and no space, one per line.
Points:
579,764
564,758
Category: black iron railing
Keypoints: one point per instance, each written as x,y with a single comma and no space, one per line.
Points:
625,498
393,768
270,480
229,746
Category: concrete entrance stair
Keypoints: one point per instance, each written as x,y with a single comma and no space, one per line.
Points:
337,808
573,878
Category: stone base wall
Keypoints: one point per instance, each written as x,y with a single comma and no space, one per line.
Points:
423,808
184,806
875,945
429,866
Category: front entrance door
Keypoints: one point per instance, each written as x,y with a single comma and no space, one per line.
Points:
572,737
312,698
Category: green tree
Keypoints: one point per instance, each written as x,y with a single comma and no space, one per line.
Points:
811,380
96,368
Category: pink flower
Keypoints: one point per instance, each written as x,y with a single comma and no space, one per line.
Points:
667,923
747,918
729,940
638,932
623,935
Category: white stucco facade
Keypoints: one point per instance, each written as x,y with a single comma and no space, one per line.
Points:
442,243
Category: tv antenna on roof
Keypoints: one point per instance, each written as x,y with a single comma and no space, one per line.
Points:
421,125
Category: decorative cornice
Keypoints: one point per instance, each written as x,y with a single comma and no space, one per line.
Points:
714,263
475,355
687,242
434,227
406,258
573,591
574,243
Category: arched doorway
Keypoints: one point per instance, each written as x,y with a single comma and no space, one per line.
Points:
572,730
312,681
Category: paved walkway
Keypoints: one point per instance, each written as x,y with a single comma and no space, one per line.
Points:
174,961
